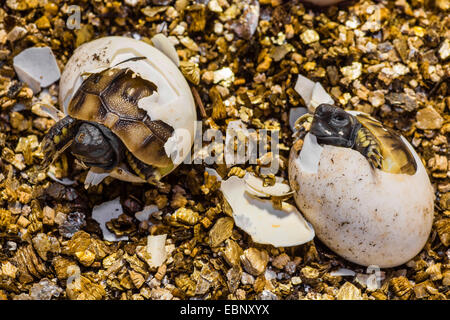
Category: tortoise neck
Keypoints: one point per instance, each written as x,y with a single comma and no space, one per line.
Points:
352,141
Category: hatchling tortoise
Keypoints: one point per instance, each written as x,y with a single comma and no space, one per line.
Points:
362,187
105,127
127,110
383,148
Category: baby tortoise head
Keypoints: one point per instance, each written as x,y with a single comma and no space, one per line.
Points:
382,147
334,126
96,146
93,144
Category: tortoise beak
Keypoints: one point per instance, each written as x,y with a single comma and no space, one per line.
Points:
320,129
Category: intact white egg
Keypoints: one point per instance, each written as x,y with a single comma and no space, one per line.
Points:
364,214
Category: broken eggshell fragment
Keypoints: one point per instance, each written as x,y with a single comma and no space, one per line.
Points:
163,44
366,215
37,67
105,212
255,186
312,93
283,227
156,247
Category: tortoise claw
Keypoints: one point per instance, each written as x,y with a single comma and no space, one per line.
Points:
144,171
307,117
57,140
368,146
302,124
374,156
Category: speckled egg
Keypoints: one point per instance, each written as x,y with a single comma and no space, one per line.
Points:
371,210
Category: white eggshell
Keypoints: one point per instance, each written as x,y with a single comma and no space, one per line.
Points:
103,213
163,44
312,93
37,67
367,216
172,102
255,185
156,246
282,227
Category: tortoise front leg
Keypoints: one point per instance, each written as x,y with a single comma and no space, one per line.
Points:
147,172
58,138
307,117
302,125
368,146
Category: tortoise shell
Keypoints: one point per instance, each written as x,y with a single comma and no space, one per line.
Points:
397,158
110,98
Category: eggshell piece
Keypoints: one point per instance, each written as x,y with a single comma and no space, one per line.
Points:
304,87
156,247
48,111
37,67
163,44
94,178
312,93
145,213
279,189
367,216
103,213
64,181
319,96
264,223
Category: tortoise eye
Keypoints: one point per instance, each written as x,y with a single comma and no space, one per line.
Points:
340,120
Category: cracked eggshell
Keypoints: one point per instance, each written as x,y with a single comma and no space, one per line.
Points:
367,216
163,44
255,186
172,103
103,213
283,227
37,67
156,247
312,93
